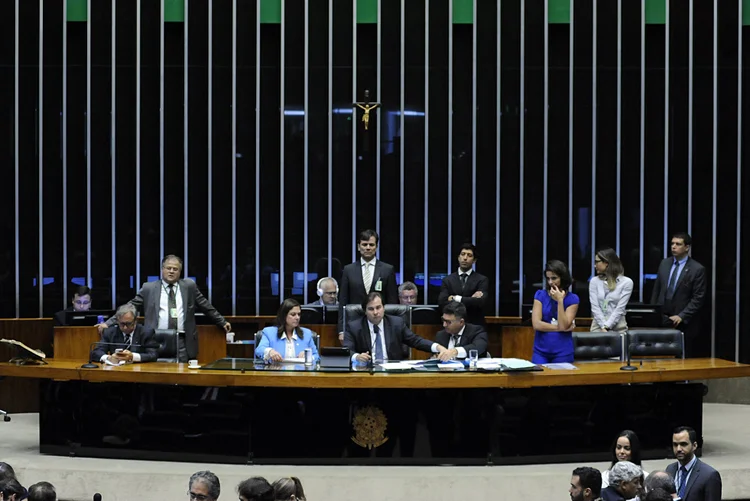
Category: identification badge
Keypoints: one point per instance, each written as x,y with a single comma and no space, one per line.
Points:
379,285
173,312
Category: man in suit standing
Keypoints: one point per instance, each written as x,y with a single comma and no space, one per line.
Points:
458,336
466,286
170,303
136,341
379,337
693,479
681,287
366,275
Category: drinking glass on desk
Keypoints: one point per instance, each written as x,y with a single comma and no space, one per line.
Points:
473,357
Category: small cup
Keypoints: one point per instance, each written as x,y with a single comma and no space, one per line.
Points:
473,357
192,364
230,337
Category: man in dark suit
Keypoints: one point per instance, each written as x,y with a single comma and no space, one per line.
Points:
458,336
681,288
693,479
81,302
379,336
624,482
136,341
466,286
585,484
366,275
170,303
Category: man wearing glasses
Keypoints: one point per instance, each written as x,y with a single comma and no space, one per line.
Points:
81,302
204,486
408,294
459,337
170,303
126,341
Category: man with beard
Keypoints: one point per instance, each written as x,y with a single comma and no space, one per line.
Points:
585,484
693,479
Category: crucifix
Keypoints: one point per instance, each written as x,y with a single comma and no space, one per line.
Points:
367,107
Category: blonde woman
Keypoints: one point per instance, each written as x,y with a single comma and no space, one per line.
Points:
609,293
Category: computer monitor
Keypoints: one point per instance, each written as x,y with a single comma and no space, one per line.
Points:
644,315
85,318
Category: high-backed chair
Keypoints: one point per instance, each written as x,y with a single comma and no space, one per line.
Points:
426,314
597,345
167,339
656,343
311,315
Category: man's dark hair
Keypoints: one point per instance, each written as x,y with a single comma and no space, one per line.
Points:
42,491
371,297
256,489
589,478
660,479
10,487
691,433
171,256
455,308
82,291
559,269
6,471
684,236
468,246
367,235
658,494
209,479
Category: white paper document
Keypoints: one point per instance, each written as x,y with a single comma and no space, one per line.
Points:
510,363
392,366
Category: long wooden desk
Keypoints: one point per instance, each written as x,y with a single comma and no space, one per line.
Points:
587,374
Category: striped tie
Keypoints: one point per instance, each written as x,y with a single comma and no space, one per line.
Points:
367,277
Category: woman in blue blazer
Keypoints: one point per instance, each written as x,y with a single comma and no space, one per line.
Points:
286,339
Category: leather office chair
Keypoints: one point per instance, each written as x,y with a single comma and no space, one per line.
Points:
597,345
167,339
656,343
311,315
425,314
355,312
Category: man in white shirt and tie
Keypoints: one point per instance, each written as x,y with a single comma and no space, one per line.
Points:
126,341
368,274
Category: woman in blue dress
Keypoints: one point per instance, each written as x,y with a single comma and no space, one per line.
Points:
553,316
286,339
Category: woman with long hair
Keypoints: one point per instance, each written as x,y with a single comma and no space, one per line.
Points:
289,489
609,292
286,339
553,316
626,447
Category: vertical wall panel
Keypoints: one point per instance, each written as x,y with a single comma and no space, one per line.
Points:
521,134
40,156
738,248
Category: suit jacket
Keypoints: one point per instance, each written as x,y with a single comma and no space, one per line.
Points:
473,338
271,339
143,343
611,494
352,288
60,316
689,292
704,483
357,337
474,305
147,303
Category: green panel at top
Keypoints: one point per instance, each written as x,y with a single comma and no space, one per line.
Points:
77,10
745,12
367,11
656,12
174,11
270,11
463,11
559,11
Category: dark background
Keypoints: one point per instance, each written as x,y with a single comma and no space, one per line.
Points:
214,272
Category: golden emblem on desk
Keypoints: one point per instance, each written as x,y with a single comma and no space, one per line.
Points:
369,427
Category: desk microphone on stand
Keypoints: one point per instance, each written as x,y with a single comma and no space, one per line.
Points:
629,367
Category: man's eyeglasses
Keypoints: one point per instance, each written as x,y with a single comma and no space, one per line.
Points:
126,325
198,497
82,303
333,293
448,321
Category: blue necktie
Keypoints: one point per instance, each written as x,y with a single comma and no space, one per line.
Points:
672,281
378,344
683,482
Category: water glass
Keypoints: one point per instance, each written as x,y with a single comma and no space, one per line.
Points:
473,357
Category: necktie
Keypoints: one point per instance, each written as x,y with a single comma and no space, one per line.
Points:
463,277
378,344
672,280
172,306
454,341
683,482
367,277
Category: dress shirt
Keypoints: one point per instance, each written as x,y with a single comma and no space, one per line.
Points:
129,341
164,307
456,297
680,266
289,351
608,306
371,326
678,475
460,349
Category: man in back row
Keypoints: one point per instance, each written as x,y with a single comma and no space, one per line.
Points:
170,303
466,286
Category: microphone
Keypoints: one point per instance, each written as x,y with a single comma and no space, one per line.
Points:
91,365
629,367
97,497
